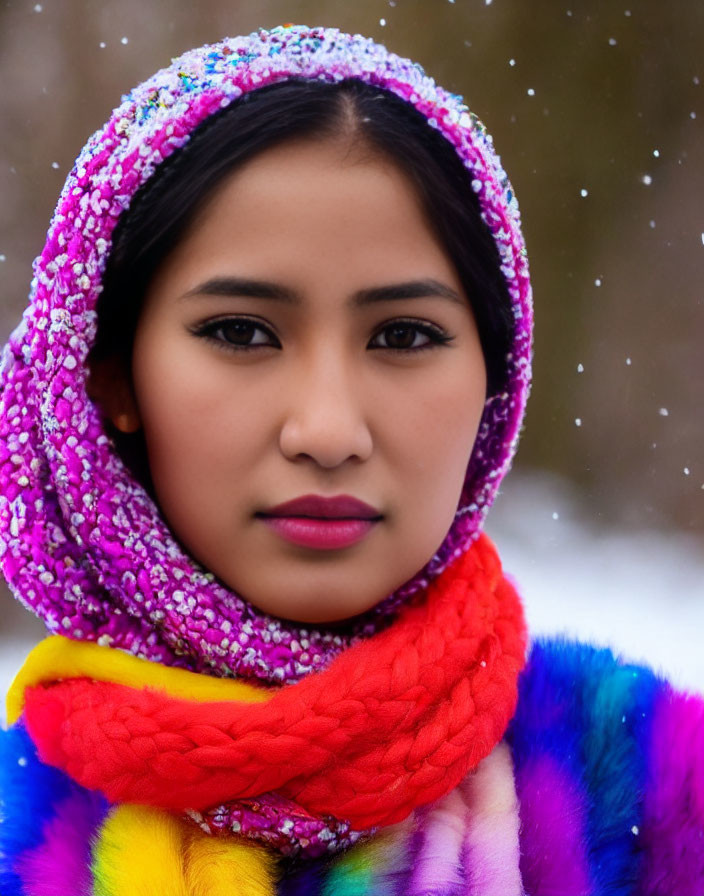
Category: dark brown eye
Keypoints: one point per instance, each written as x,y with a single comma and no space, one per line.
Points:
410,336
400,336
239,332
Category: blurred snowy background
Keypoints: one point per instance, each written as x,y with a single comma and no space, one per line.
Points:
596,108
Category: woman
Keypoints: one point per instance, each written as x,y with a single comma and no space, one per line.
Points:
272,373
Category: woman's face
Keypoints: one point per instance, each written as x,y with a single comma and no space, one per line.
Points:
308,337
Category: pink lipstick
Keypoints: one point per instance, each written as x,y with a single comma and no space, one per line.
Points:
324,523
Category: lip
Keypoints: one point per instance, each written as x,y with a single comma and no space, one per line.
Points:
322,534
314,521
339,507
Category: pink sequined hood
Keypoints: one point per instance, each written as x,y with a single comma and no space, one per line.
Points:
81,543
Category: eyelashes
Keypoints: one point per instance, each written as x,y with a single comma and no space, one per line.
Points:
245,334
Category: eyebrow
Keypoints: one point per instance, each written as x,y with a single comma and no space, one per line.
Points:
262,289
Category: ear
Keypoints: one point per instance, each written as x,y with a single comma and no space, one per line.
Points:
110,387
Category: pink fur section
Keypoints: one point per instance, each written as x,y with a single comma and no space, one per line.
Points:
673,824
491,838
60,865
553,830
438,862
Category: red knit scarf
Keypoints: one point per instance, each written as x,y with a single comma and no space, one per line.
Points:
393,723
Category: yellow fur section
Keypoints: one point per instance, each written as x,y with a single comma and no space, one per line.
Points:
139,853
60,658
219,866
147,852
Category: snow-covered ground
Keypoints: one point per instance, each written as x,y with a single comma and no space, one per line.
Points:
641,593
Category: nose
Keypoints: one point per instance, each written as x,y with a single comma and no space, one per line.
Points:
325,419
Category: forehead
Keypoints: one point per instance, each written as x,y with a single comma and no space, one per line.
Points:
307,208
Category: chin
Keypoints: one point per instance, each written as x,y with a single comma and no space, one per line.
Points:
297,596
319,618
320,615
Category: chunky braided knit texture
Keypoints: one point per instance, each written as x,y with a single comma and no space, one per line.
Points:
395,722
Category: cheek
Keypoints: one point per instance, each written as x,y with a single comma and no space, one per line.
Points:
434,429
436,426
434,433
203,428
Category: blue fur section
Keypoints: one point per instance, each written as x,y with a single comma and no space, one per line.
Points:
592,713
29,791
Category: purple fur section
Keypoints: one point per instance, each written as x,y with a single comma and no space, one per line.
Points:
673,822
60,864
553,810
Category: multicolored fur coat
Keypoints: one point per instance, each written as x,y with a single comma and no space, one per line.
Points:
598,788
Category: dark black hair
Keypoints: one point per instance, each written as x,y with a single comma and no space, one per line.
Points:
165,205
